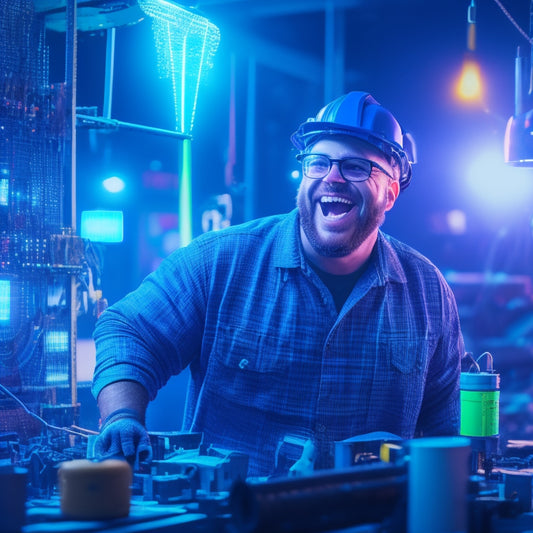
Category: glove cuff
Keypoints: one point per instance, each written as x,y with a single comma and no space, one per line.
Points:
122,413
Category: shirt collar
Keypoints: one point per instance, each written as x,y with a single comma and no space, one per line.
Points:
388,265
288,251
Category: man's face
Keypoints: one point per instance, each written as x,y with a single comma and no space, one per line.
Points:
337,216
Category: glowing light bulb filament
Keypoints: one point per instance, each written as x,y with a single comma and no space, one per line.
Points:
470,86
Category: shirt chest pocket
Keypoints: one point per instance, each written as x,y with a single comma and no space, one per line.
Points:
248,369
244,350
407,355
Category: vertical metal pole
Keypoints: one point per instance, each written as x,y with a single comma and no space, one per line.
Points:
70,143
333,52
109,72
70,172
230,160
249,150
340,50
518,84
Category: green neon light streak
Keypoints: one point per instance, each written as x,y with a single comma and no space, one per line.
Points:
185,202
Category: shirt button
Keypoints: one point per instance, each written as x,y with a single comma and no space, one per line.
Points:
321,428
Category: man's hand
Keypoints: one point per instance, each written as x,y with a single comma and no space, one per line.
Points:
123,434
122,405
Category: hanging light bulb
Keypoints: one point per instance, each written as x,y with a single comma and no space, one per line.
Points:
469,88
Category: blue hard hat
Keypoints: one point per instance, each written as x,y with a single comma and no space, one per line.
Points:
358,114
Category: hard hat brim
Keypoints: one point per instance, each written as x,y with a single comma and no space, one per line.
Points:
310,131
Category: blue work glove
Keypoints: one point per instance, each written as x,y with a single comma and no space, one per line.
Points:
123,434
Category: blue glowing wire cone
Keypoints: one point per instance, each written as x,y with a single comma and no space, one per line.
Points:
186,43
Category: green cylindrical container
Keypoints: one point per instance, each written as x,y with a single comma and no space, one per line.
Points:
480,404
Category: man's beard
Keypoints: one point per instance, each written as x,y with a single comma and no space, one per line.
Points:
374,218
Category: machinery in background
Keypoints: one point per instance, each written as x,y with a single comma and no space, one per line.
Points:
48,274
44,266
184,470
372,487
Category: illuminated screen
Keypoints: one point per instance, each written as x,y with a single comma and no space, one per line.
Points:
4,191
102,226
56,341
5,297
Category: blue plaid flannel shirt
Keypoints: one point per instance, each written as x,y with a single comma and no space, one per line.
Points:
269,355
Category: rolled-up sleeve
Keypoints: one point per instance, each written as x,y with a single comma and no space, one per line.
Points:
156,330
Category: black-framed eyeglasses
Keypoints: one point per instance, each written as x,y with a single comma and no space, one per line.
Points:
318,166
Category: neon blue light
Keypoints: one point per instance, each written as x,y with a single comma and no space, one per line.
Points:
56,341
186,44
4,191
102,226
114,184
5,300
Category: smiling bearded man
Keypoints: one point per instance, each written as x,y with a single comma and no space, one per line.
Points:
337,216
300,329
